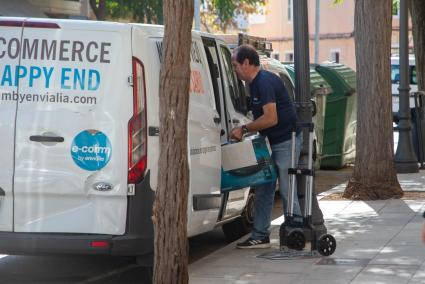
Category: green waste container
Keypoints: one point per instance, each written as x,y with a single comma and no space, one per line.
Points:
339,140
319,89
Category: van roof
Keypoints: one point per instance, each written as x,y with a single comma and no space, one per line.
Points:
72,24
150,30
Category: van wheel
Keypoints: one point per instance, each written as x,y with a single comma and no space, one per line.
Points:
242,225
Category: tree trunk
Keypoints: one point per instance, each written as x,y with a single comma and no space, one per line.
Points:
374,175
99,9
418,20
170,207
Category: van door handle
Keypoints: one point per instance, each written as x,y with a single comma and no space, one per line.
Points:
42,138
217,119
235,120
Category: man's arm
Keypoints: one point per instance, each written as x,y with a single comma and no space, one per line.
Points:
267,120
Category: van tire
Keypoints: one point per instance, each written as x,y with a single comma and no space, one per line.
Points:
242,225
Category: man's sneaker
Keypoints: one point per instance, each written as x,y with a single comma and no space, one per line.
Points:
254,244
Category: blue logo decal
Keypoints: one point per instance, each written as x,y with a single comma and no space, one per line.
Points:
91,150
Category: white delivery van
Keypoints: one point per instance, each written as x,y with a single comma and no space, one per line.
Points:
395,81
80,129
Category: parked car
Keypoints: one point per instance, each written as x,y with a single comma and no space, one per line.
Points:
395,81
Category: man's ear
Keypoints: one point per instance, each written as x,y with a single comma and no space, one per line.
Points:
246,61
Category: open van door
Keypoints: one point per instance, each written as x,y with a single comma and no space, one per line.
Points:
75,102
10,36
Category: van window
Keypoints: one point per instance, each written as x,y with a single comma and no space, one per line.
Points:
395,74
236,94
214,77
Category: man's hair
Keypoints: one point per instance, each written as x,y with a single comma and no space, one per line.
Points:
246,51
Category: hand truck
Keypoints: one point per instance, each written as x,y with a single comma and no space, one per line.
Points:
293,234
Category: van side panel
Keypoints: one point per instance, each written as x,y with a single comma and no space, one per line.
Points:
71,151
204,146
9,39
203,133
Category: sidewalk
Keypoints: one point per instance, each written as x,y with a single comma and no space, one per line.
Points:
377,242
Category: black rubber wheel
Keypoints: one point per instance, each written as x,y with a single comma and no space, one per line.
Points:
326,245
296,240
242,225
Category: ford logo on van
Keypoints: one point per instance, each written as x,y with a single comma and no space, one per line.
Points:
102,186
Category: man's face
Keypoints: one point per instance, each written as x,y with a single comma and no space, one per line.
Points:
240,69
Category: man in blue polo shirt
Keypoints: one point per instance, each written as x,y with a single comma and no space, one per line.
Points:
275,117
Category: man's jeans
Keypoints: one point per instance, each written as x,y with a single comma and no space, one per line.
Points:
264,195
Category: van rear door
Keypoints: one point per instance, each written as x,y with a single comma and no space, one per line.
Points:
75,102
9,60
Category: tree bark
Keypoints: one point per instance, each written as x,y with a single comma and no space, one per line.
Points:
374,175
418,21
99,9
170,207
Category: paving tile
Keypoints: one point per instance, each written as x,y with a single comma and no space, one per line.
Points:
358,249
384,232
322,281
330,208
410,237
400,255
203,280
419,276
400,205
361,207
267,278
330,272
385,274
220,272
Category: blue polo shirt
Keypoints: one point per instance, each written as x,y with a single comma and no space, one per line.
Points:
268,88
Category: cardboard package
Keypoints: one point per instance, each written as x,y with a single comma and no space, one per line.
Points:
246,164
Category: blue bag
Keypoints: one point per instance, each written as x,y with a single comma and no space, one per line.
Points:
259,171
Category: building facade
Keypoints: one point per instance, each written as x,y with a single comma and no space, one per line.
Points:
336,30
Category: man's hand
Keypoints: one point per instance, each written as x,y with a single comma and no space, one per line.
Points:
236,133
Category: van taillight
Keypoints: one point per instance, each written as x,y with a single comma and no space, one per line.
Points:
137,127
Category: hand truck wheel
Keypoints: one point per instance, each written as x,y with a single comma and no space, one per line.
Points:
326,245
296,240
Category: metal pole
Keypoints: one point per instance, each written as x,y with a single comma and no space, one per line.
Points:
405,157
302,96
196,15
317,33
302,86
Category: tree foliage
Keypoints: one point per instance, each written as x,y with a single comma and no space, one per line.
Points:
216,15
146,11
143,11
219,15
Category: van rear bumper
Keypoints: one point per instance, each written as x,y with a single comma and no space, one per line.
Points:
137,241
40,244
